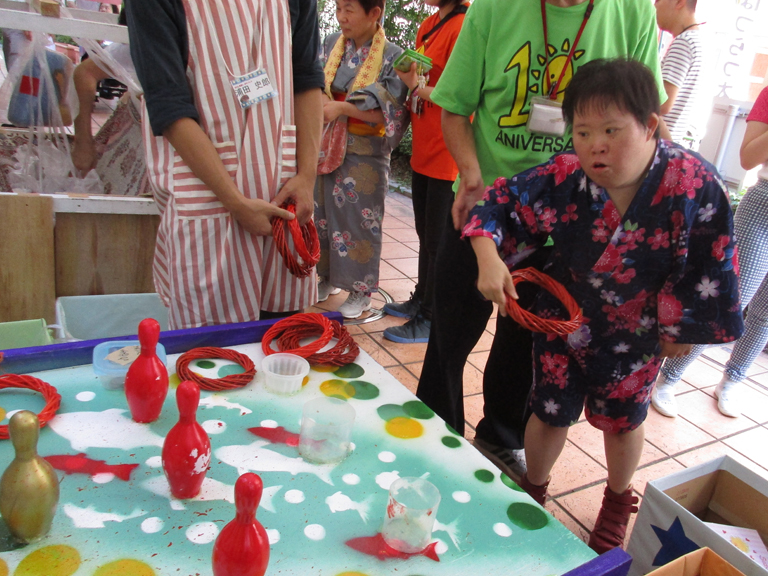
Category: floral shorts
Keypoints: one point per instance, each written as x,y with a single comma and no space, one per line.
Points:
614,389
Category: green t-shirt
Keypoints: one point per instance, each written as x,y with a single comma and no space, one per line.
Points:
497,65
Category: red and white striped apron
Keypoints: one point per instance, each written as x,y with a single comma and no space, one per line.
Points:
207,268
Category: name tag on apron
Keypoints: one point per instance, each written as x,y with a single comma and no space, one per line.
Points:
252,88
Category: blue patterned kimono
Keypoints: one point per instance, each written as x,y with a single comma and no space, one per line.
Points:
666,270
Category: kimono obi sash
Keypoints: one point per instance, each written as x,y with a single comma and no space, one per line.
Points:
359,127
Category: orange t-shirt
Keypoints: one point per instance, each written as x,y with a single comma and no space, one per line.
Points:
430,155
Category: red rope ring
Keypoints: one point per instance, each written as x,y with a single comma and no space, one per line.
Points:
547,325
298,321
343,353
216,384
51,395
304,239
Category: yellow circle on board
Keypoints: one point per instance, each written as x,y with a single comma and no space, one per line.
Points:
125,568
3,568
57,560
337,388
174,380
402,427
2,416
739,543
325,368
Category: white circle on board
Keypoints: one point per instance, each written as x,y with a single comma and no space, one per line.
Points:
273,535
351,479
268,424
103,478
314,532
214,426
8,415
461,496
352,446
385,479
387,456
86,396
202,533
155,462
441,547
152,525
502,530
294,496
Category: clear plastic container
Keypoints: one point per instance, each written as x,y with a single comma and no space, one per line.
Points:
112,373
284,373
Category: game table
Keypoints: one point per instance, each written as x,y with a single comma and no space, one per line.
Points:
116,514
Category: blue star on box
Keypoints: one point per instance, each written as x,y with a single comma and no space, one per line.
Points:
674,543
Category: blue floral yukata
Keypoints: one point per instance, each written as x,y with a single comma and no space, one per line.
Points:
665,270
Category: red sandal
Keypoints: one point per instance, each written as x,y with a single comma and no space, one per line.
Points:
538,493
611,524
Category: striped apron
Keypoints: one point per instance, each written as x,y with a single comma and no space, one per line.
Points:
207,268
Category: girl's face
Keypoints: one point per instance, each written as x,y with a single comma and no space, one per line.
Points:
354,22
614,149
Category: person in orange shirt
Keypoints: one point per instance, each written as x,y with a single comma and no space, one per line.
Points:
434,169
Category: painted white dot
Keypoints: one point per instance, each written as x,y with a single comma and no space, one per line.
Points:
202,533
268,424
441,547
502,530
273,535
86,396
351,479
214,426
294,496
314,532
385,479
177,504
352,446
387,456
9,415
461,496
155,462
103,478
152,525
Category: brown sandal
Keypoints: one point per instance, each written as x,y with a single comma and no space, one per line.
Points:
611,525
538,493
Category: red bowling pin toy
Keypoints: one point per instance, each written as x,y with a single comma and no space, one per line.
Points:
146,384
187,449
242,547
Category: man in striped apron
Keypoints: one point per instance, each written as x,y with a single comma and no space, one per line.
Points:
221,161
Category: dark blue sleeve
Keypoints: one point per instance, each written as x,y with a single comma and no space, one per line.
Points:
160,49
307,72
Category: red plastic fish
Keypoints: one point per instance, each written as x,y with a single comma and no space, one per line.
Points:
81,464
377,546
277,435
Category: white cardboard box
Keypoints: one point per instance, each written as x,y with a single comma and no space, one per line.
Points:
672,517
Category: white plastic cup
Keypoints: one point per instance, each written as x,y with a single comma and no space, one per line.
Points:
284,373
326,430
411,512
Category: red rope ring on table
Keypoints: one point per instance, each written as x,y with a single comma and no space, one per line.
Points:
51,395
304,238
547,325
216,384
343,353
298,321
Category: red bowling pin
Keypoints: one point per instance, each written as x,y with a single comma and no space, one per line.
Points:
146,384
187,449
242,547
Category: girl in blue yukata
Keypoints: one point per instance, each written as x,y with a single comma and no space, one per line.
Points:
643,240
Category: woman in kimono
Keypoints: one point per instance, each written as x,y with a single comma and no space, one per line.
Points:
361,84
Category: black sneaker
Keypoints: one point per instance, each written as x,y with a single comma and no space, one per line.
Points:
414,331
511,462
407,309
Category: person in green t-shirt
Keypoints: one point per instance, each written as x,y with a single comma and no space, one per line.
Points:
498,66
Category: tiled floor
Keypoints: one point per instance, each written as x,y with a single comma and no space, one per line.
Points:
700,433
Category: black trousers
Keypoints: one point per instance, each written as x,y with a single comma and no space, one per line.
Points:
432,201
459,317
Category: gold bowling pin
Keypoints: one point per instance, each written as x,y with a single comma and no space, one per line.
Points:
29,488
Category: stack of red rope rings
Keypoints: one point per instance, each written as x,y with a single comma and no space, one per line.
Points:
51,395
217,384
289,331
547,325
304,239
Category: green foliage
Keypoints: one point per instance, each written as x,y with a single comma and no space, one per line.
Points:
64,39
736,196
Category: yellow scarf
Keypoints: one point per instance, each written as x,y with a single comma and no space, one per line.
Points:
368,72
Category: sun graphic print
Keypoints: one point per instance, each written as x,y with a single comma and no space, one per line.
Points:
559,64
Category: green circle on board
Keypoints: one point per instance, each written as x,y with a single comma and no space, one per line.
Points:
350,371
451,430
527,516
451,442
364,390
230,369
484,475
205,364
388,411
507,481
417,409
